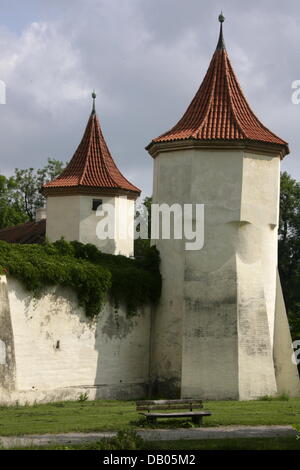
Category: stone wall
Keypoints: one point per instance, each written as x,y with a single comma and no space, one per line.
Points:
50,350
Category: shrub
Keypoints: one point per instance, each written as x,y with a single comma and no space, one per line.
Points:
84,268
266,398
83,397
125,440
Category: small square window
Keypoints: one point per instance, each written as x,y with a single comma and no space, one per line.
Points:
96,203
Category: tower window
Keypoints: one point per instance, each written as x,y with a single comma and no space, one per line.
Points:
96,204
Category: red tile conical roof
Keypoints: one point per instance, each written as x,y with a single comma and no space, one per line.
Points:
92,169
219,110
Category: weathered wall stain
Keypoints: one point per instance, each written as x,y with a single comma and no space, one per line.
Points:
118,326
54,352
7,365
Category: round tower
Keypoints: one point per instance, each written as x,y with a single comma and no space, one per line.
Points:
220,331
91,181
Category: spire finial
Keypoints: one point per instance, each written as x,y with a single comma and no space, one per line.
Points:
221,17
221,43
94,97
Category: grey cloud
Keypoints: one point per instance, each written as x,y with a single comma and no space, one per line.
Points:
146,60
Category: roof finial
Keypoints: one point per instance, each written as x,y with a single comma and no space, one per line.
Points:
94,97
221,43
221,17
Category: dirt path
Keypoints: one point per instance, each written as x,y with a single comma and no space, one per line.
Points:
221,432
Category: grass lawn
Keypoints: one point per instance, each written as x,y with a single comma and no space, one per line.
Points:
108,415
207,444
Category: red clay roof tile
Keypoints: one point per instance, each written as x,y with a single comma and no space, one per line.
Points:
219,110
92,167
30,232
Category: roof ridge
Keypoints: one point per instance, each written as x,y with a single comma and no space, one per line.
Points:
229,94
108,174
89,145
209,103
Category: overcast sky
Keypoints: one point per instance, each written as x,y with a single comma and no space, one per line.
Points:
146,60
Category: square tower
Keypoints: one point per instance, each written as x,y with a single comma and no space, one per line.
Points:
90,189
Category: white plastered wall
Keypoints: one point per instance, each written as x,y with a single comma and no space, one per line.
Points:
214,327
60,353
73,218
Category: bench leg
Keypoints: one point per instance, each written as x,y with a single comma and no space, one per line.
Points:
151,419
197,420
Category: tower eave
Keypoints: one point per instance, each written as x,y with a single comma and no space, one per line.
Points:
154,147
89,191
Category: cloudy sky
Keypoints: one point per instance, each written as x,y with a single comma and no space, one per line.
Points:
146,59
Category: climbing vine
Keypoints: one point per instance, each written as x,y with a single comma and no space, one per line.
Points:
93,274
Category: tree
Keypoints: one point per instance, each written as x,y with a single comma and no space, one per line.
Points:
29,182
20,194
289,249
11,212
143,211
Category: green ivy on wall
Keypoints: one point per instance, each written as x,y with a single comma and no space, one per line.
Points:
93,275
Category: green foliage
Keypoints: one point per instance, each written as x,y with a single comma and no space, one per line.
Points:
282,397
40,265
141,246
143,213
265,398
29,182
20,194
125,440
133,282
89,272
289,249
11,212
83,397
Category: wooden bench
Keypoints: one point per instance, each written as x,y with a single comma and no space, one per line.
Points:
151,406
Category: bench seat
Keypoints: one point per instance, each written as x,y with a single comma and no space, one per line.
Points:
172,405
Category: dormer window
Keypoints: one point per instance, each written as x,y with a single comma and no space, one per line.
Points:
96,204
